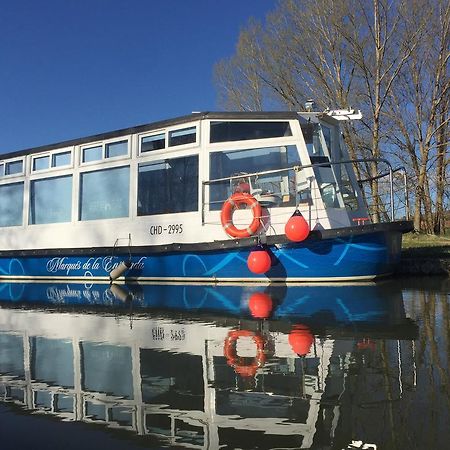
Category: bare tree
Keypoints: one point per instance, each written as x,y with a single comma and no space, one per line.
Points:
241,87
418,108
343,53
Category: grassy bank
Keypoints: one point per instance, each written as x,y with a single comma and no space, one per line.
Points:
426,246
424,254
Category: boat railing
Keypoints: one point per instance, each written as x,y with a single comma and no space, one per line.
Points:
392,190
391,197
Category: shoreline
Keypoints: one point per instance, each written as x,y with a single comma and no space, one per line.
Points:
424,266
418,257
434,260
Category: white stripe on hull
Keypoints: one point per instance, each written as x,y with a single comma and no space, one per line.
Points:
189,280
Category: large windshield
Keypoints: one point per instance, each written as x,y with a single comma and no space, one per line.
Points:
229,163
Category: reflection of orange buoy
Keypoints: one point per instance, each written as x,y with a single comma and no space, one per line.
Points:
239,363
301,339
259,260
260,305
366,343
296,228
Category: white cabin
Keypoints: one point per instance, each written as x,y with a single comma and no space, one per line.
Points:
154,184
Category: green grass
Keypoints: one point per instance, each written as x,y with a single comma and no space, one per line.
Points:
425,246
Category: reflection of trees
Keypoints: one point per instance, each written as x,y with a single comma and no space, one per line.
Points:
436,345
397,393
430,405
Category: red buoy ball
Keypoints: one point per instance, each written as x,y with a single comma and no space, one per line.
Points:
296,228
301,339
260,305
259,261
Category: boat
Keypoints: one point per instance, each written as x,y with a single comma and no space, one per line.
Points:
208,197
200,375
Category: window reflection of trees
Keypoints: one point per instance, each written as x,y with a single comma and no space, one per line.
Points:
168,186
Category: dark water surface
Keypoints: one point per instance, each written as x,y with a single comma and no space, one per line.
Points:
209,367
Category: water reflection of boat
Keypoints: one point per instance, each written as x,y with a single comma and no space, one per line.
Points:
205,379
324,307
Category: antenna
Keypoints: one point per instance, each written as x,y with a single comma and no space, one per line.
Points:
344,114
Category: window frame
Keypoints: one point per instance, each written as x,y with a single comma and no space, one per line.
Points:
248,121
146,135
167,147
51,156
32,180
163,159
17,182
259,146
252,143
92,169
104,158
4,164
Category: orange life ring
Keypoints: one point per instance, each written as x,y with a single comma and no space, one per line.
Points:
226,215
238,362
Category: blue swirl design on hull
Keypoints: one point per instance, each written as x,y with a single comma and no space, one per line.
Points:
332,258
359,255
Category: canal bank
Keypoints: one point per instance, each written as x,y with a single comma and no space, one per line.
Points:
425,255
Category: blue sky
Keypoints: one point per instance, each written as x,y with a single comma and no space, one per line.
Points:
71,68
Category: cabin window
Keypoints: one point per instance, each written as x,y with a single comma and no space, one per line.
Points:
45,162
154,142
243,131
327,136
41,163
92,153
11,204
116,149
14,168
51,200
318,139
182,136
104,194
281,185
313,142
104,151
349,194
168,186
61,159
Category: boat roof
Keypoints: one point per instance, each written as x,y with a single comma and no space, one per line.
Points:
235,115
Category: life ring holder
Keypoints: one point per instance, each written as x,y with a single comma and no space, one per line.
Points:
228,208
239,362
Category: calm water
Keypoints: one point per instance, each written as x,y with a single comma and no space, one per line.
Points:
208,367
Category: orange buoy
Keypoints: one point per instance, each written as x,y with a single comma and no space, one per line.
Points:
260,305
259,260
296,228
301,339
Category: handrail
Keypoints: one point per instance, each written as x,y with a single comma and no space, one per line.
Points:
381,175
405,184
298,168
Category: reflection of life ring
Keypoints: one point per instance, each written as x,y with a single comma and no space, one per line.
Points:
366,344
239,362
226,215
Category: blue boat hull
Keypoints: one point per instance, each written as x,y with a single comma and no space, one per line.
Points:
347,257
